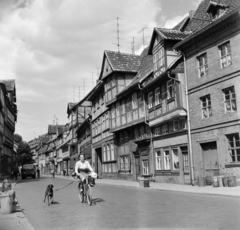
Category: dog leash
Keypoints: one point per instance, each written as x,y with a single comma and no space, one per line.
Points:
64,186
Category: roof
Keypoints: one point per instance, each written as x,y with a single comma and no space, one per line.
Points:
201,18
144,70
172,34
10,84
69,107
122,61
52,129
209,25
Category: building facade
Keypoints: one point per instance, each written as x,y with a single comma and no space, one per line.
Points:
213,74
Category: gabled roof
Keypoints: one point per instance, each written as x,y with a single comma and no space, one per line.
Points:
171,34
69,107
10,84
52,129
167,34
201,18
209,26
122,61
144,70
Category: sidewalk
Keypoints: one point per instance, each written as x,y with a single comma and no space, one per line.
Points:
207,190
15,220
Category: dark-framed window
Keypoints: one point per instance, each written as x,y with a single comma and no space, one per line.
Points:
234,147
206,106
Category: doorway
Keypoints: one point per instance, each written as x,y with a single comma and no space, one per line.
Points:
210,161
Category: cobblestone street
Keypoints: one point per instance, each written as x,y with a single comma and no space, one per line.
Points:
124,207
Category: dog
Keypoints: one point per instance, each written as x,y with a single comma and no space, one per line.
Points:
49,194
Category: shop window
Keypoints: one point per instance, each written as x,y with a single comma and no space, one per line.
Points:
234,147
230,99
202,65
175,159
112,152
145,167
158,160
108,153
206,107
166,159
225,55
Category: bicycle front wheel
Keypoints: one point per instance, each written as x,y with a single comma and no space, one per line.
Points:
89,195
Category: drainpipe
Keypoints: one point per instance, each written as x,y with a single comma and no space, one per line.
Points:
151,141
188,120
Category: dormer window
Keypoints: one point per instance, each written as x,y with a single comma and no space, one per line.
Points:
215,10
159,61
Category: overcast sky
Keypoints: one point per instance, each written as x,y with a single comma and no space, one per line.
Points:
51,47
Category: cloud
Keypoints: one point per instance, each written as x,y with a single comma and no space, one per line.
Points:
174,21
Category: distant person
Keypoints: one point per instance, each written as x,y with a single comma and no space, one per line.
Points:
53,173
15,173
38,172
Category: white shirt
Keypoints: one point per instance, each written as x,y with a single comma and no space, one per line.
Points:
81,165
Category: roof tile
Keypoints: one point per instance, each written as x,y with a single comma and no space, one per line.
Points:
123,62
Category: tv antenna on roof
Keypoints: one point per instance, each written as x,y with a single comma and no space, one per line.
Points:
142,30
133,49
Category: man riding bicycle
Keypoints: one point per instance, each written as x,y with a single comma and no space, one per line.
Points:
82,168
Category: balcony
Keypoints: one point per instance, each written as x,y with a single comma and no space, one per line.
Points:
169,116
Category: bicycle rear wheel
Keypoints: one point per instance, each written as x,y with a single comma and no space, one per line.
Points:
89,195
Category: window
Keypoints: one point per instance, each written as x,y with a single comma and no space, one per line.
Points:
113,117
175,159
165,128
166,159
103,122
182,123
234,147
158,160
108,153
206,106
134,101
202,65
157,96
175,125
118,122
124,163
184,150
159,60
170,89
136,133
112,152
145,167
104,153
150,100
225,55
106,121
230,100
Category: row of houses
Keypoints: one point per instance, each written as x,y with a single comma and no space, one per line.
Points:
171,112
8,118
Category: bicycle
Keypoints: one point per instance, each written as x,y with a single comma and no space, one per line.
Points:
86,193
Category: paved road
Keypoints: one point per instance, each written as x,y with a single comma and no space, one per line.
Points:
124,207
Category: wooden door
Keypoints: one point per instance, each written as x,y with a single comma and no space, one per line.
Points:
210,161
137,165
